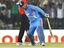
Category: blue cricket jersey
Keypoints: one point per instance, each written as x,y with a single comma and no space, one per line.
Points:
32,13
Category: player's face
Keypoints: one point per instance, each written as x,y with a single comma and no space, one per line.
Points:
24,6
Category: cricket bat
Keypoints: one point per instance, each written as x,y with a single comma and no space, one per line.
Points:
49,27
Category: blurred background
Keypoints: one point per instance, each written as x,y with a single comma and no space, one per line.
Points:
9,16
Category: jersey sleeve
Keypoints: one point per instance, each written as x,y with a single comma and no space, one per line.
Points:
35,8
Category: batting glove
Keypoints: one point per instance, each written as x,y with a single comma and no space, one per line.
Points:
47,15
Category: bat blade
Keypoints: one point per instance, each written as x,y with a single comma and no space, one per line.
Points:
49,27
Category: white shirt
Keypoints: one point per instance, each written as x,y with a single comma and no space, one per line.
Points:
59,13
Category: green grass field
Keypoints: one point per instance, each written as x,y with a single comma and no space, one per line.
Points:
47,45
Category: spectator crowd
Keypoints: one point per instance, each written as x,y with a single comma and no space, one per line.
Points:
10,19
